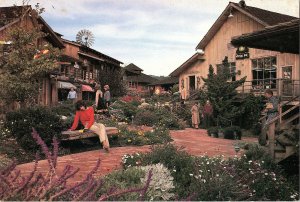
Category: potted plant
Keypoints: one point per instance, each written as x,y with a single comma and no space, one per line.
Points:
213,131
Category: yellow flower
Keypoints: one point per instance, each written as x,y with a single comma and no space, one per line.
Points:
129,140
140,133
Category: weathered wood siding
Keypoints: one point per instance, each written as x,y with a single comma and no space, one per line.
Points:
220,46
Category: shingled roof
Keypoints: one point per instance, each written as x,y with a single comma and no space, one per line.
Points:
264,17
133,68
166,81
141,78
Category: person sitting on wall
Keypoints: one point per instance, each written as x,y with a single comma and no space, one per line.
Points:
86,116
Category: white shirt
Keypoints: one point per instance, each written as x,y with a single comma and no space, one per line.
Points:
72,95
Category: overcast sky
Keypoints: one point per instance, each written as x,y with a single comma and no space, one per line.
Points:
156,35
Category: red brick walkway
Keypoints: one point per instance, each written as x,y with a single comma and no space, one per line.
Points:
196,142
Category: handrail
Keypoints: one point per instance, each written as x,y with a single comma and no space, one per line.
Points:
290,101
280,115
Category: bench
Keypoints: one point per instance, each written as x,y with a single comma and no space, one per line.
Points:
76,134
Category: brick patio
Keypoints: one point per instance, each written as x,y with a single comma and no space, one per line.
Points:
196,142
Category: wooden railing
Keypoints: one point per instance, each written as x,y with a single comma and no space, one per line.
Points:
271,126
281,87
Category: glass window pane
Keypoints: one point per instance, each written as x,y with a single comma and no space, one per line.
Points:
254,64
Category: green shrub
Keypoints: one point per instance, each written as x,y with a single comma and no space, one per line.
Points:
179,162
232,133
64,109
122,179
158,135
145,117
129,108
21,122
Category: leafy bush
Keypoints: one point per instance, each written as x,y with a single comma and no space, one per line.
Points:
129,108
251,177
64,109
184,113
158,135
232,133
179,162
161,185
145,117
21,122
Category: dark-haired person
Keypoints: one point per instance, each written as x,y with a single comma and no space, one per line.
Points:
99,101
86,116
272,111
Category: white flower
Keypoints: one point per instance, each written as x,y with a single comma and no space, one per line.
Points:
266,173
204,180
250,161
217,175
207,163
252,172
191,174
174,170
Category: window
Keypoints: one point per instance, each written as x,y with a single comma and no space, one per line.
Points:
232,69
264,73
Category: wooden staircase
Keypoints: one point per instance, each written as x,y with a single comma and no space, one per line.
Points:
283,131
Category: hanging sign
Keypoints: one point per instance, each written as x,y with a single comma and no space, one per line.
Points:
242,53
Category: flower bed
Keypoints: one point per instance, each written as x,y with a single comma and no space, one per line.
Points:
158,135
251,177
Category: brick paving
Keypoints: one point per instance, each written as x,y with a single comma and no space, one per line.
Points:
196,142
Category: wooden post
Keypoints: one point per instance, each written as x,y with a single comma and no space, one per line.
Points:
280,112
271,137
263,134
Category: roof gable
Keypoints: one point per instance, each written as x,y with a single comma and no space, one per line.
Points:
13,14
263,17
133,68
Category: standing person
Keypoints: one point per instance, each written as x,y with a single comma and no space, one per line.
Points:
207,114
107,96
271,106
72,95
195,115
272,111
99,100
86,116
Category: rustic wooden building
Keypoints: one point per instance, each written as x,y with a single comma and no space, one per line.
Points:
263,68
82,67
164,85
136,80
26,17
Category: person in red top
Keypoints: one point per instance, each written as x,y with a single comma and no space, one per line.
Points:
207,114
86,117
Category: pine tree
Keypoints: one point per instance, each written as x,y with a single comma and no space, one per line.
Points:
24,63
222,93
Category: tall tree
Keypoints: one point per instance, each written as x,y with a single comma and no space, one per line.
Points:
221,91
26,60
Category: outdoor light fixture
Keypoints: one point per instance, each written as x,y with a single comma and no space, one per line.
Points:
200,51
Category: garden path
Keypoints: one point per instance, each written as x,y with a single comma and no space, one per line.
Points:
196,142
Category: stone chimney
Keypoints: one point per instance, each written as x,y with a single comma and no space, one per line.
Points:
242,3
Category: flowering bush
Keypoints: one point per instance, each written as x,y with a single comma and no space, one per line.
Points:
129,109
216,179
20,123
125,137
129,98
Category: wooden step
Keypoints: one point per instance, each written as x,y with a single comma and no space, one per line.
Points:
279,148
283,140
